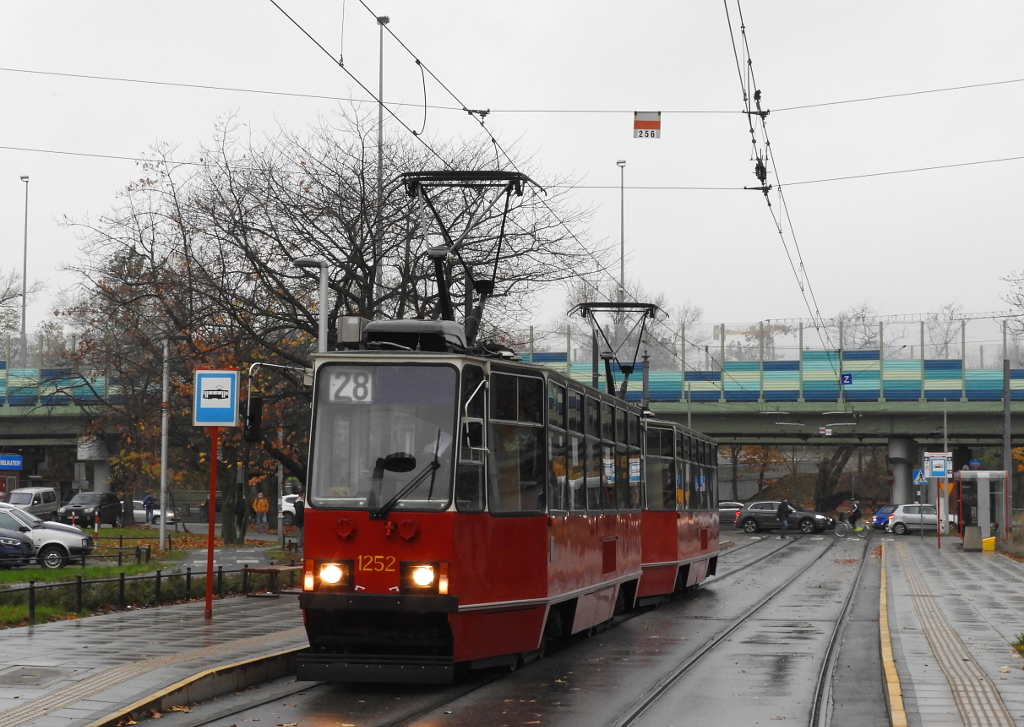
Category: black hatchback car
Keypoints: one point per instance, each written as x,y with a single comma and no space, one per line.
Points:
85,507
760,515
15,549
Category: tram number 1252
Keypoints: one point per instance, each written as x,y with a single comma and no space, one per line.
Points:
351,385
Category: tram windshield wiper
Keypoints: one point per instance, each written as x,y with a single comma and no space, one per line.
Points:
401,462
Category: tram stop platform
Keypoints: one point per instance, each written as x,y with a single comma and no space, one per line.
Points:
89,672
952,617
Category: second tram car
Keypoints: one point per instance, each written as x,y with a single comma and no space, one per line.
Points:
463,509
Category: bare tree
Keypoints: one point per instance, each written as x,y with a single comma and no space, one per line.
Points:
205,248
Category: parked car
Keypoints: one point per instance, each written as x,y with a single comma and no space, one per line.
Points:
85,505
760,515
54,544
40,501
139,513
905,518
726,512
15,549
881,517
286,506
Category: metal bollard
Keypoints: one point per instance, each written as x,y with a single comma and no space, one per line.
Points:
149,549
120,591
156,589
31,601
78,593
119,557
188,583
245,580
138,554
220,581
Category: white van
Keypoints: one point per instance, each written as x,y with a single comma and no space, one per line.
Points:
40,501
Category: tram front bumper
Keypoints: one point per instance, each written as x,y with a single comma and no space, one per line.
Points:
417,603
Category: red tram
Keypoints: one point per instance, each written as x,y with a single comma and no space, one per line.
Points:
462,509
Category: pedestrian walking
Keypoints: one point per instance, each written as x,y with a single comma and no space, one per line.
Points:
149,502
300,517
261,506
783,515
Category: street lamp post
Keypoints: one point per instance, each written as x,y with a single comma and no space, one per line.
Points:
23,346
312,262
622,230
165,422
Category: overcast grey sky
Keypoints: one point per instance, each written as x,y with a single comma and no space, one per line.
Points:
904,243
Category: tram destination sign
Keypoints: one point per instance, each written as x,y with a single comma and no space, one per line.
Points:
215,398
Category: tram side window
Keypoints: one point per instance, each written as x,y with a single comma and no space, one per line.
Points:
682,473
517,459
574,411
622,478
700,481
594,469
557,464
713,474
577,452
635,473
470,476
661,475
575,457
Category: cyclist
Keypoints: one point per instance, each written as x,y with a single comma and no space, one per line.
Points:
855,515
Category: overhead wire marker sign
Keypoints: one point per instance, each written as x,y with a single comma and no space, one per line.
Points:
646,124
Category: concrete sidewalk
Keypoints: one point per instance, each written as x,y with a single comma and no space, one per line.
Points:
71,673
953,616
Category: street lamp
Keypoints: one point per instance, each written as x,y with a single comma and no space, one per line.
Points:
312,262
622,229
165,422
23,352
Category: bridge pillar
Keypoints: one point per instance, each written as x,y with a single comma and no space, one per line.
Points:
903,457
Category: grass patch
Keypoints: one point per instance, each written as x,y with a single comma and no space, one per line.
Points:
45,575
57,603
1019,643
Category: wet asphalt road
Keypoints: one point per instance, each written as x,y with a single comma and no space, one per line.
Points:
763,672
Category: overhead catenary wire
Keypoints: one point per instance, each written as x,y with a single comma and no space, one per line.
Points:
763,156
576,111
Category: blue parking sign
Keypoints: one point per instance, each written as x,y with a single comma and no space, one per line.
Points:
215,398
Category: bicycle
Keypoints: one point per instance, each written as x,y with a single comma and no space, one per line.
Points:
843,529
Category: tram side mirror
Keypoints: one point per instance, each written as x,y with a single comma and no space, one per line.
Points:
253,418
400,462
472,442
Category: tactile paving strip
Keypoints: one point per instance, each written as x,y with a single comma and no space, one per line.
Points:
976,696
112,677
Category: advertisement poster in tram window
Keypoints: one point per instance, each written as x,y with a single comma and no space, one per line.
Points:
634,469
609,468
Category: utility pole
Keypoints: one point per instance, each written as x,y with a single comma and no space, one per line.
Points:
378,237
23,344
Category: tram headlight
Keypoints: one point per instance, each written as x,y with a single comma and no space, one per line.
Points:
331,573
424,577
328,575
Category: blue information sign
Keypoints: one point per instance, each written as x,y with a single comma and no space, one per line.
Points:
847,379
215,398
11,461
975,463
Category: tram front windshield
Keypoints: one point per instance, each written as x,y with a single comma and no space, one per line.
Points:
378,429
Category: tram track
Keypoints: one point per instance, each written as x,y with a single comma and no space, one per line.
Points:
822,689
415,705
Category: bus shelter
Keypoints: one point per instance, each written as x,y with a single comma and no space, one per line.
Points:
982,499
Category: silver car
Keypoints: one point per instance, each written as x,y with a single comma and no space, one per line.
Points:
54,543
139,513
